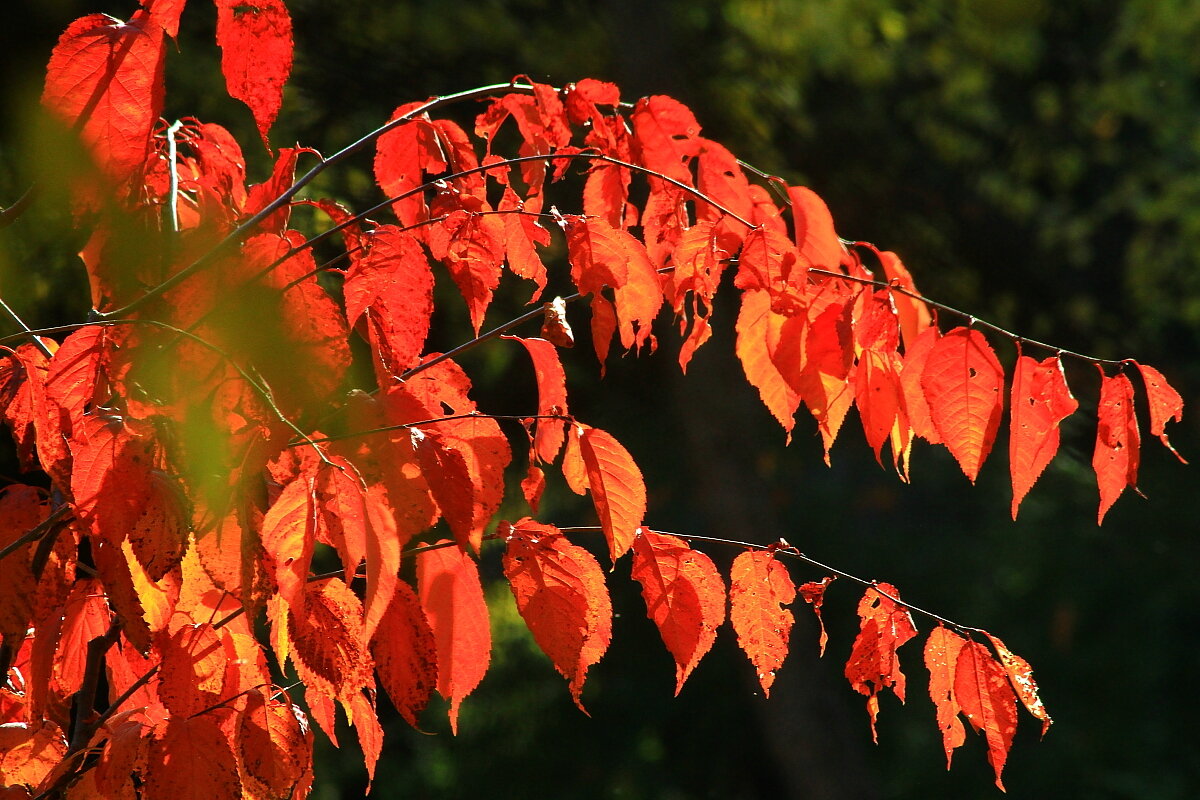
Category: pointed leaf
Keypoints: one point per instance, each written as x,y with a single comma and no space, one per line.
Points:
941,659
963,384
552,396
560,592
758,330
684,594
1118,442
666,136
405,653
982,690
452,597
874,665
618,491
1041,400
190,758
759,588
1020,675
255,37
1165,404
272,746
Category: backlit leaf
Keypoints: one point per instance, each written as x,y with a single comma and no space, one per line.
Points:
1165,404
813,593
552,396
190,758
255,37
1116,456
684,595
884,625
941,659
560,592
405,654
618,491
1041,400
983,692
963,384
1020,675
759,588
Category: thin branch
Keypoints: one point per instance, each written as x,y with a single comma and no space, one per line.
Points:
35,533
38,343
407,425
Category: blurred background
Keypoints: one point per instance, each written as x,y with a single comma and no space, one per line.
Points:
1034,163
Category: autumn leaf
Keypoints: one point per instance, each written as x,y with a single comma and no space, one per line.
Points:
759,588
403,155
190,758
757,333
105,79
552,396
405,654
963,384
1020,675
1116,456
1041,400
982,690
272,746
884,625
452,598
684,595
1165,404
813,593
192,670
29,751
666,136
255,37
818,242
941,659
618,490
326,635
560,592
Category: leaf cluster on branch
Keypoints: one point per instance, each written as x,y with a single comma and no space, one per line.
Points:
206,436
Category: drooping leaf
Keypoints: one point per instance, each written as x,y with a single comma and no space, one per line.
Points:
911,367
618,490
914,314
192,671
813,593
403,156
684,595
666,136
105,79
1118,442
255,37
941,659
452,598
815,236
983,692
757,332
190,758
272,746
552,396
759,588
1041,400
1165,404
326,635
405,654
884,625
560,592
1020,675
289,535
963,384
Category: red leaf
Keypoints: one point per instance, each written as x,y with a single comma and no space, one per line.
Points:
369,731
813,593
1041,400
873,666
522,236
720,177
328,646
618,491
255,37
666,136
552,396
1116,456
879,397
405,654
759,587
340,513
982,691
915,406
445,470
1165,404
452,597
533,485
105,79
818,242
684,595
560,592
914,314
941,659
263,194
192,671
403,156
31,750
23,406
1020,675
22,508
288,537
190,758
963,384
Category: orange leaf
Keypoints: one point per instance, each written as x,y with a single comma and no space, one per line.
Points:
758,330
1041,400
255,37
916,353
884,626
1165,404
405,654
452,597
190,758
759,588
552,396
982,690
326,634
618,491
813,593
560,592
684,595
666,136
1020,675
522,236
273,748
384,542
815,236
288,537
1116,456
879,397
533,485
941,658
29,751
105,79
369,731
963,384
340,514
192,670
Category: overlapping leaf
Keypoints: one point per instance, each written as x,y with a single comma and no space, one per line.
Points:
874,665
